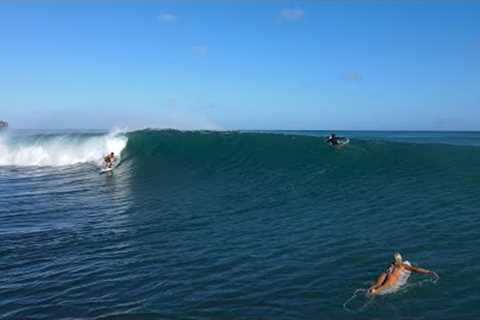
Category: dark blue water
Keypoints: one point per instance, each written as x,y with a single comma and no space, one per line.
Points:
203,225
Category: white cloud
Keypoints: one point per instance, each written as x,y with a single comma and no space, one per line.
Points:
167,17
292,14
352,76
200,50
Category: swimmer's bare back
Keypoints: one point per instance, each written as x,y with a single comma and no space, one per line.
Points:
388,279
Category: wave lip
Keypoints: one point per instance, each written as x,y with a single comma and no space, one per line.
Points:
59,150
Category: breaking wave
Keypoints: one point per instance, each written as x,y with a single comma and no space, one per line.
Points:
58,150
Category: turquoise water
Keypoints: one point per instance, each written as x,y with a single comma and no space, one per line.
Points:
229,225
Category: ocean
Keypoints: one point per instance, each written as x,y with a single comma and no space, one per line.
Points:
237,225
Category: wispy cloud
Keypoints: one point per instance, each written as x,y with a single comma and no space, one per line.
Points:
167,17
200,50
178,116
352,76
292,14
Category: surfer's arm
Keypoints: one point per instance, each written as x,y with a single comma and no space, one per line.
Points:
380,280
417,269
378,283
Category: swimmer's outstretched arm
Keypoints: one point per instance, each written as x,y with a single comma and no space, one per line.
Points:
418,269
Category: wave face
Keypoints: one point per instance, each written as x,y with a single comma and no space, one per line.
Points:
230,225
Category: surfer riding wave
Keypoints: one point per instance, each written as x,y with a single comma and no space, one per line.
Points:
109,160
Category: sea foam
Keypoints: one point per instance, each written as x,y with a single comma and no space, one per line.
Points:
59,150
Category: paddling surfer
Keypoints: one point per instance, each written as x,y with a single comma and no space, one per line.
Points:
395,274
332,139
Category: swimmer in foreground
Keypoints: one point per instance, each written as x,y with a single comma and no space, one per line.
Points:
109,160
390,278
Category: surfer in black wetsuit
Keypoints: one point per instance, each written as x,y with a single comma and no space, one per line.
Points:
109,160
333,140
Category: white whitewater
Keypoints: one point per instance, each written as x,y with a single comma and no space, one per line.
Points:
59,150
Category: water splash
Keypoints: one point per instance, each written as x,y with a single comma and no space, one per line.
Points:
363,306
59,150
347,305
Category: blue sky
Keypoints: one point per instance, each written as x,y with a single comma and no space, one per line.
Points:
385,65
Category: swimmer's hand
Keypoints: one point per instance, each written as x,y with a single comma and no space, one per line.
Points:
433,272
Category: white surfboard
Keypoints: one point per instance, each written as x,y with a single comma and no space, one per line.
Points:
105,170
341,141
